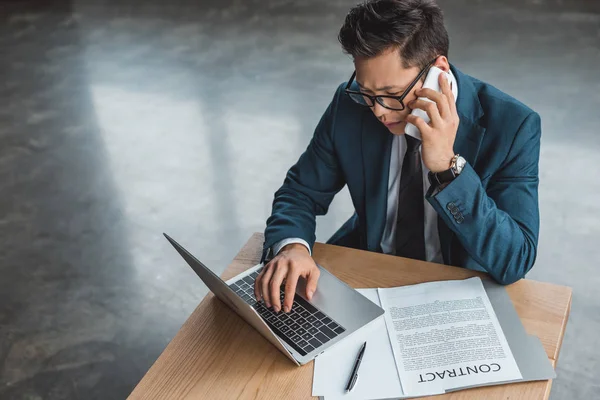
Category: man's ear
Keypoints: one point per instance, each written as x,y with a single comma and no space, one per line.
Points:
442,63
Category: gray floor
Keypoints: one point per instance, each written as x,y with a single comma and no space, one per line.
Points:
121,121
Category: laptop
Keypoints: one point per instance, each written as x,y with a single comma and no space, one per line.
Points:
335,311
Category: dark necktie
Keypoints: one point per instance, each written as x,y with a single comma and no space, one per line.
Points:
410,230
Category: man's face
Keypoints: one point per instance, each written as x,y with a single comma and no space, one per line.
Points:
385,75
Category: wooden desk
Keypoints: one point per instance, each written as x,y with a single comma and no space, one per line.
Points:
216,355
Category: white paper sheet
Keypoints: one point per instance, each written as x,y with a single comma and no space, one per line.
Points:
377,376
445,335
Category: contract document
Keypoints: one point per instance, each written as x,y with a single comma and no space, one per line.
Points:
444,336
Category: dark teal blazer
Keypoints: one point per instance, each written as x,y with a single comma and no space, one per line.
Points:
495,223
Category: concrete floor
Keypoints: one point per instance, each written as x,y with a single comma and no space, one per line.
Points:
123,119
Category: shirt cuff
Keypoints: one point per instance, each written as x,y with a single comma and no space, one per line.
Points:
282,243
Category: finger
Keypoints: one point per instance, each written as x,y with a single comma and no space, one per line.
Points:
275,285
423,127
264,283
447,92
290,289
311,282
430,108
438,98
257,284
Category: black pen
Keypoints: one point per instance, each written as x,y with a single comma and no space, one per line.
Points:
354,376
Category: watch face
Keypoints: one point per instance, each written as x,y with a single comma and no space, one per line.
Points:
460,164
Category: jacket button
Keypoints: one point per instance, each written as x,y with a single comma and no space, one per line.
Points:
459,218
451,206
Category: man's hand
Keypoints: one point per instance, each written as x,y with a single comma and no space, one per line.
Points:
292,262
439,135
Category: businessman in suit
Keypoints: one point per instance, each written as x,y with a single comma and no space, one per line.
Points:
465,194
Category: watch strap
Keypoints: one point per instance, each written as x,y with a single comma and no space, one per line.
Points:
439,178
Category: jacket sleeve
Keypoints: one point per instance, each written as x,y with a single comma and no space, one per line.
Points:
309,186
498,226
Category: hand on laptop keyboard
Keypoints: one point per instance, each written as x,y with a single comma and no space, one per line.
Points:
292,262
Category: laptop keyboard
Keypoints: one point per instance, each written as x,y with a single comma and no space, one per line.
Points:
304,328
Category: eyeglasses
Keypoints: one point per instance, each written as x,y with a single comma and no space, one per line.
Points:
395,103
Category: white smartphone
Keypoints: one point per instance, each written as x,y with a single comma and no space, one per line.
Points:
431,82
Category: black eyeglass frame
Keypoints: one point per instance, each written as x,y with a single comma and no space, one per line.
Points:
379,98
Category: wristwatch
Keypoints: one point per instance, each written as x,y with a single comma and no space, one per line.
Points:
456,166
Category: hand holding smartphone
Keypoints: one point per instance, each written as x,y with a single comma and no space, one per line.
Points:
431,82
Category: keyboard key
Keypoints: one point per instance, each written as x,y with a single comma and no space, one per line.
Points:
300,331
302,343
295,327
249,280
234,287
320,315
301,321
295,316
295,338
307,336
285,329
322,338
313,331
289,322
326,321
306,325
339,330
262,309
314,342
308,349
284,317
317,323
246,297
309,307
278,324
305,314
331,334
332,326
254,274
300,309
272,319
311,318
288,340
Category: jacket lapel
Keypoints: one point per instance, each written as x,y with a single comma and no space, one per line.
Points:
376,153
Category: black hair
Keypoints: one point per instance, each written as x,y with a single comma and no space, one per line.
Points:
414,27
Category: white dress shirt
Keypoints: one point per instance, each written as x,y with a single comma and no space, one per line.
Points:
433,252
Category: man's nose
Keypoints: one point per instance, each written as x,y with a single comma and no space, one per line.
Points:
380,110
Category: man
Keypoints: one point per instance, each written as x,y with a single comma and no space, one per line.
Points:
464,195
